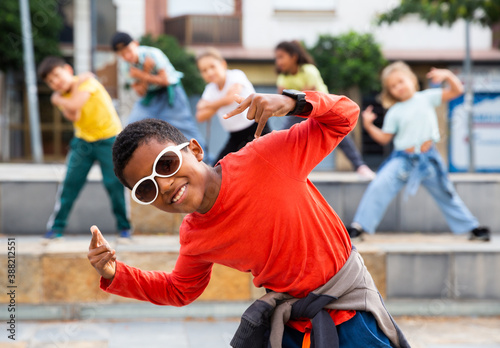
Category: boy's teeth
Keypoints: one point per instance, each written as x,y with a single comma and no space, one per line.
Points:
179,194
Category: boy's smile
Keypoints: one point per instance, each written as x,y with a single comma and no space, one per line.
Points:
187,191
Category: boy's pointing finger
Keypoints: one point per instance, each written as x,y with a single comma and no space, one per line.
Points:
244,103
93,241
97,238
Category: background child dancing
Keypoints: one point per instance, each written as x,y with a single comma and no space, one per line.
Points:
85,102
412,122
158,84
218,99
296,70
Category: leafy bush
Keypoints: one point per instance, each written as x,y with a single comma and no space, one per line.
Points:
180,59
349,60
46,24
445,12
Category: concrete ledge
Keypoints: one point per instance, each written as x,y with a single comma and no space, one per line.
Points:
480,192
27,199
27,196
58,272
441,267
418,274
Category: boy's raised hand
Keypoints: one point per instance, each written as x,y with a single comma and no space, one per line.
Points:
368,115
100,255
438,75
261,107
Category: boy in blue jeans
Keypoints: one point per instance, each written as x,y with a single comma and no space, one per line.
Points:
158,84
412,123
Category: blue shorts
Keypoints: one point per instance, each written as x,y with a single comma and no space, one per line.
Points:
359,331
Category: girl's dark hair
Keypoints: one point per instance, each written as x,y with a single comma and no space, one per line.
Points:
138,133
295,48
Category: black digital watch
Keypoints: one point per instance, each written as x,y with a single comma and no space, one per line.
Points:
300,98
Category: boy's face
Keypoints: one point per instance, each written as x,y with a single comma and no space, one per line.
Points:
212,69
187,191
400,85
129,53
60,79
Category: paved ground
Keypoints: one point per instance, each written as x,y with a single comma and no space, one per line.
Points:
422,332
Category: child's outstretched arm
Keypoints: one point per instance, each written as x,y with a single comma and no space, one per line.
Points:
455,87
178,288
376,133
206,109
299,149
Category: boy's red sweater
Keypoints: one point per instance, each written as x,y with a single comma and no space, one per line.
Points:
268,218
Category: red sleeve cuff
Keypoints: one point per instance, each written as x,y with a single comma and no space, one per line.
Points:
107,284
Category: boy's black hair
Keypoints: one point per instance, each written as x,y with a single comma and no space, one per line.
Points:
48,64
120,40
295,48
138,133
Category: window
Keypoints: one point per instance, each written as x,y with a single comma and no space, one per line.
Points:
216,7
301,5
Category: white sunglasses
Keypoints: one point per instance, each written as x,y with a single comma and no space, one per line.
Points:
167,163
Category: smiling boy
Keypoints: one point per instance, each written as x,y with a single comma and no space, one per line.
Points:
257,212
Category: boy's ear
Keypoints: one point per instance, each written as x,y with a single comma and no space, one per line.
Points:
196,149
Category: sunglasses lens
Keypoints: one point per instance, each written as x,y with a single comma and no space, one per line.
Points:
168,164
146,191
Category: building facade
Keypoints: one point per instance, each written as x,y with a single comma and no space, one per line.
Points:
246,33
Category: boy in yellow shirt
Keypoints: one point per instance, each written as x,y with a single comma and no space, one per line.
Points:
85,102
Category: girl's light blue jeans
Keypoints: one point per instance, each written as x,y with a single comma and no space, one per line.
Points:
392,177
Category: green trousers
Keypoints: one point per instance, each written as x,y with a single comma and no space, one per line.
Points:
80,159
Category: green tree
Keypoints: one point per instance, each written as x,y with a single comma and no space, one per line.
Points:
46,25
180,59
446,12
349,60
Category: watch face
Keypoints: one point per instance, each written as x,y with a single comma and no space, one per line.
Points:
292,92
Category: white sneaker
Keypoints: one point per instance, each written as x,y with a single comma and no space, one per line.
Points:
365,173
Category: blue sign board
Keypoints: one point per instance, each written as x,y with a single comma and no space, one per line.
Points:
486,134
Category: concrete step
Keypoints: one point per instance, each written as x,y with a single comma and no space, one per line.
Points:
417,274
439,267
27,197
480,192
